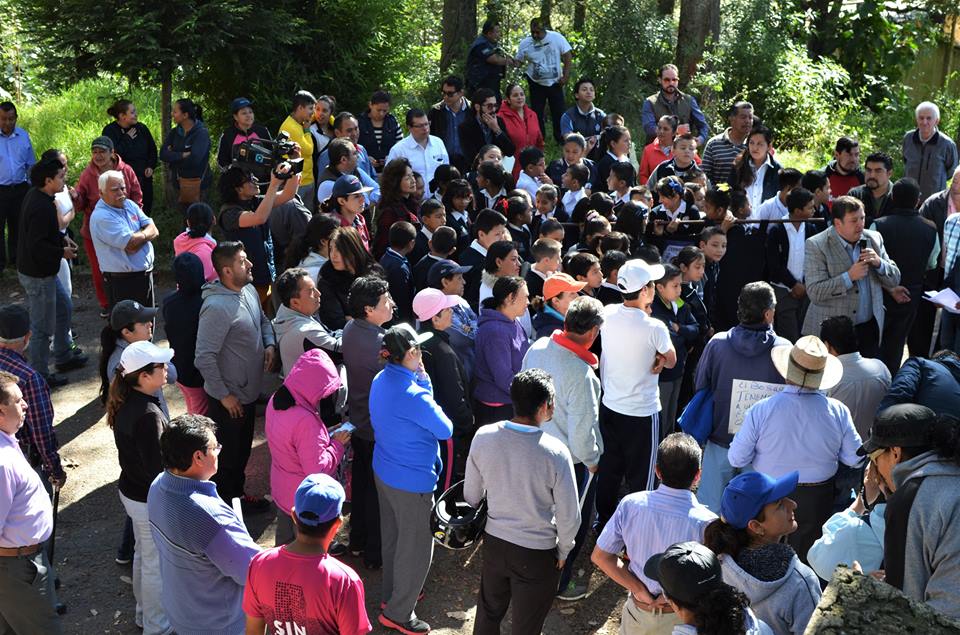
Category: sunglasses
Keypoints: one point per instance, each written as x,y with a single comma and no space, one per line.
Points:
451,93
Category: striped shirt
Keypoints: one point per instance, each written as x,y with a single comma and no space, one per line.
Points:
951,244
718,156
646,523
37,434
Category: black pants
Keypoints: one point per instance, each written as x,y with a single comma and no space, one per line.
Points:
146,186
11,199
629,452
236,437
540,96
364,505
814,507
137,285
581,474
868,338
922,332
511,574
897,323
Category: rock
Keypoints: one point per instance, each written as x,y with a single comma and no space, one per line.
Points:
855,604
567,611
457,615
94,612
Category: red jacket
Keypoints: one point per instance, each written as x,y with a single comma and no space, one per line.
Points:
523,132
88,189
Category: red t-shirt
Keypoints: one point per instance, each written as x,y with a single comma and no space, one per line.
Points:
308,595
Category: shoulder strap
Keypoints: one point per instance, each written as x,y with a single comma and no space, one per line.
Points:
897,518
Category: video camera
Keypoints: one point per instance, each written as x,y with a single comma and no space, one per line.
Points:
262,156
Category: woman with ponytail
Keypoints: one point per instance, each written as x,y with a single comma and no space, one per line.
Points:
692,582
135,145
137,421
755,516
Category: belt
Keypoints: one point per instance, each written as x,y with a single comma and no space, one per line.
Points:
16,552
646,608
826,482
127,274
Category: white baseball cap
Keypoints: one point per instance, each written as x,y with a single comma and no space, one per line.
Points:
140,354
636,274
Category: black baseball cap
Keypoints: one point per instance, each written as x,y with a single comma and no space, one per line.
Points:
906,425
129,312
14,322
443,268
401,338
687,571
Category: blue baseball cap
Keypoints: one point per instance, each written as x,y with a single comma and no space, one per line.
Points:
348,184
238,103
318,500
745,495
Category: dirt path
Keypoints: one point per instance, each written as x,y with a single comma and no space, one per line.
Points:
90,517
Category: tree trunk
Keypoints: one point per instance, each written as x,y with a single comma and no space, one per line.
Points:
459,25
665,7
699,20
546,8
579,15
166,108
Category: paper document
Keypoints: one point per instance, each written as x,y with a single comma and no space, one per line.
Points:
743,394
946,298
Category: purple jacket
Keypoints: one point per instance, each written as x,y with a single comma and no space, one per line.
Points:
500,345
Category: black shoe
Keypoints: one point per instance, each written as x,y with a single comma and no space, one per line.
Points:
337,549
61,608
372,566
75,362
254,504
55,381
105,314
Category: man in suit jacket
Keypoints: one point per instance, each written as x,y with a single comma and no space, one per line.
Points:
785,255
846,269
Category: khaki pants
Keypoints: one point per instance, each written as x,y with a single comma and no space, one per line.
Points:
636,621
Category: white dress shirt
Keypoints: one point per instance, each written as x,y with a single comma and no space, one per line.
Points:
423,160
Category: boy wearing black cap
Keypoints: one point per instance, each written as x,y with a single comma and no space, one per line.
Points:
299,587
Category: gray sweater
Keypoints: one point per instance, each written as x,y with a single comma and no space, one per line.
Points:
527,479
932,553
577,405
361,356
297,333
231,338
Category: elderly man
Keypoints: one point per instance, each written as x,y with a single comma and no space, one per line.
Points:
928,156
566,356
670,101
26,521
424,151
204,548
721,150
41,248
102,158
547,55
17,152
846,269
801,429
445,118
122,237
743,352
876,190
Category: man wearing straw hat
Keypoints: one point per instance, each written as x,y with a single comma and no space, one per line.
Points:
801,429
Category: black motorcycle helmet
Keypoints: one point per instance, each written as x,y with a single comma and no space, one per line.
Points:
455,524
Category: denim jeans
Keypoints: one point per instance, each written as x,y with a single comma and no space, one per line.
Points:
50,312
146,572
715,475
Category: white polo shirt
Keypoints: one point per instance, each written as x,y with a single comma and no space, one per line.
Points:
423,160
631,340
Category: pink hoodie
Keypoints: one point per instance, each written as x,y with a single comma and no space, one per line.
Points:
298,439
202,247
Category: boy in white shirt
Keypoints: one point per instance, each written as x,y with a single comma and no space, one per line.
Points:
636,348
533,171
574,181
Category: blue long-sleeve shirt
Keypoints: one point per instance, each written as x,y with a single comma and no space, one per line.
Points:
205,552
407,424
16,157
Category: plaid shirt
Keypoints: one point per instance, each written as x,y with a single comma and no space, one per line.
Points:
36,436
951,245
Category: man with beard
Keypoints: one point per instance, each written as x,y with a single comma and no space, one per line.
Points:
670,101
844,170
875,193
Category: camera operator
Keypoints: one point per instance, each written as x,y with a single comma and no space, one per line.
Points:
244,215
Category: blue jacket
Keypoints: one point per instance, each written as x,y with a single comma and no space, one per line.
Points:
934,383
407,424
683,339
400,279
181,317
197,143
743,352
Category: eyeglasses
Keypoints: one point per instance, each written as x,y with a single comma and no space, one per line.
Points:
451,93
215,450
425,124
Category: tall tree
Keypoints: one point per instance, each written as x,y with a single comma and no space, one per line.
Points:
699,21
579,15
459,28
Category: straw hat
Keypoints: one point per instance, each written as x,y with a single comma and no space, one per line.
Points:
808,364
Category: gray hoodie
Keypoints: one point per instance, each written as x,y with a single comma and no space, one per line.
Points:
232,336
932,551
297,332
785,604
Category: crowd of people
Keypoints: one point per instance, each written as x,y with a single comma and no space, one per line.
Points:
662,338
